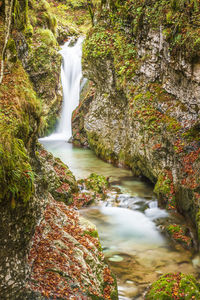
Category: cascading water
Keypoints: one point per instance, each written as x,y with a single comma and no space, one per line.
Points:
71,73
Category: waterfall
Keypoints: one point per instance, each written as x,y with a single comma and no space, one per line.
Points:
71,73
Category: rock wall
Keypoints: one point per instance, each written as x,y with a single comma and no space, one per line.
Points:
145,112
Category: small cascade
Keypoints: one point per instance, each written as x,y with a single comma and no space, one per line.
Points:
153,204
71,73
154,212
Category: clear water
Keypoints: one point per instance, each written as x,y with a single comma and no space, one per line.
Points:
133,246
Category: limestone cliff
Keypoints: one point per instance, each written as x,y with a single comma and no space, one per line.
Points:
143,58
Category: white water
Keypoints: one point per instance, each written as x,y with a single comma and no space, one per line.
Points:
71,73
154,212
132,225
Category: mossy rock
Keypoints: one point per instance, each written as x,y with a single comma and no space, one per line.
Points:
174,286
11,48
97,183
47,37
180,234
50,20
20,14
28,31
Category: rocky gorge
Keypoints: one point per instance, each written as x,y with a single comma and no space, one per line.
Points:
139,110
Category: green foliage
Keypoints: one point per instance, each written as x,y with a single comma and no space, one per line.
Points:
40,15
93,233
162,185
12,49
78,3
174,286
16,175
28,31
98,44
180,20
50,20
11,45
180,234
19,120
181,4
105,42
20,14
97,183
47,37
41,5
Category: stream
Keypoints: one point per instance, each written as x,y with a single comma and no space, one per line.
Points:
133,246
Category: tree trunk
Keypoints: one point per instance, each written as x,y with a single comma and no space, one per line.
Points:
91,10
8,19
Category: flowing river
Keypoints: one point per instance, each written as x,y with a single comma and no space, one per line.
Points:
133,246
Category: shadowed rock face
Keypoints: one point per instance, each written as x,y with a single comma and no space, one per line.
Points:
148,120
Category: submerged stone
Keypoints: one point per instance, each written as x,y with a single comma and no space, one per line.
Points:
116,258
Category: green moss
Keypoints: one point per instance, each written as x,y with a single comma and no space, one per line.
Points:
104,42
41,5
162,185
51,21
19,119
20,13
100,149
179,233
16,174
28,31
11,46
49,125
164,189
97,183
173,229
179,19
93,233
47,37
174,286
